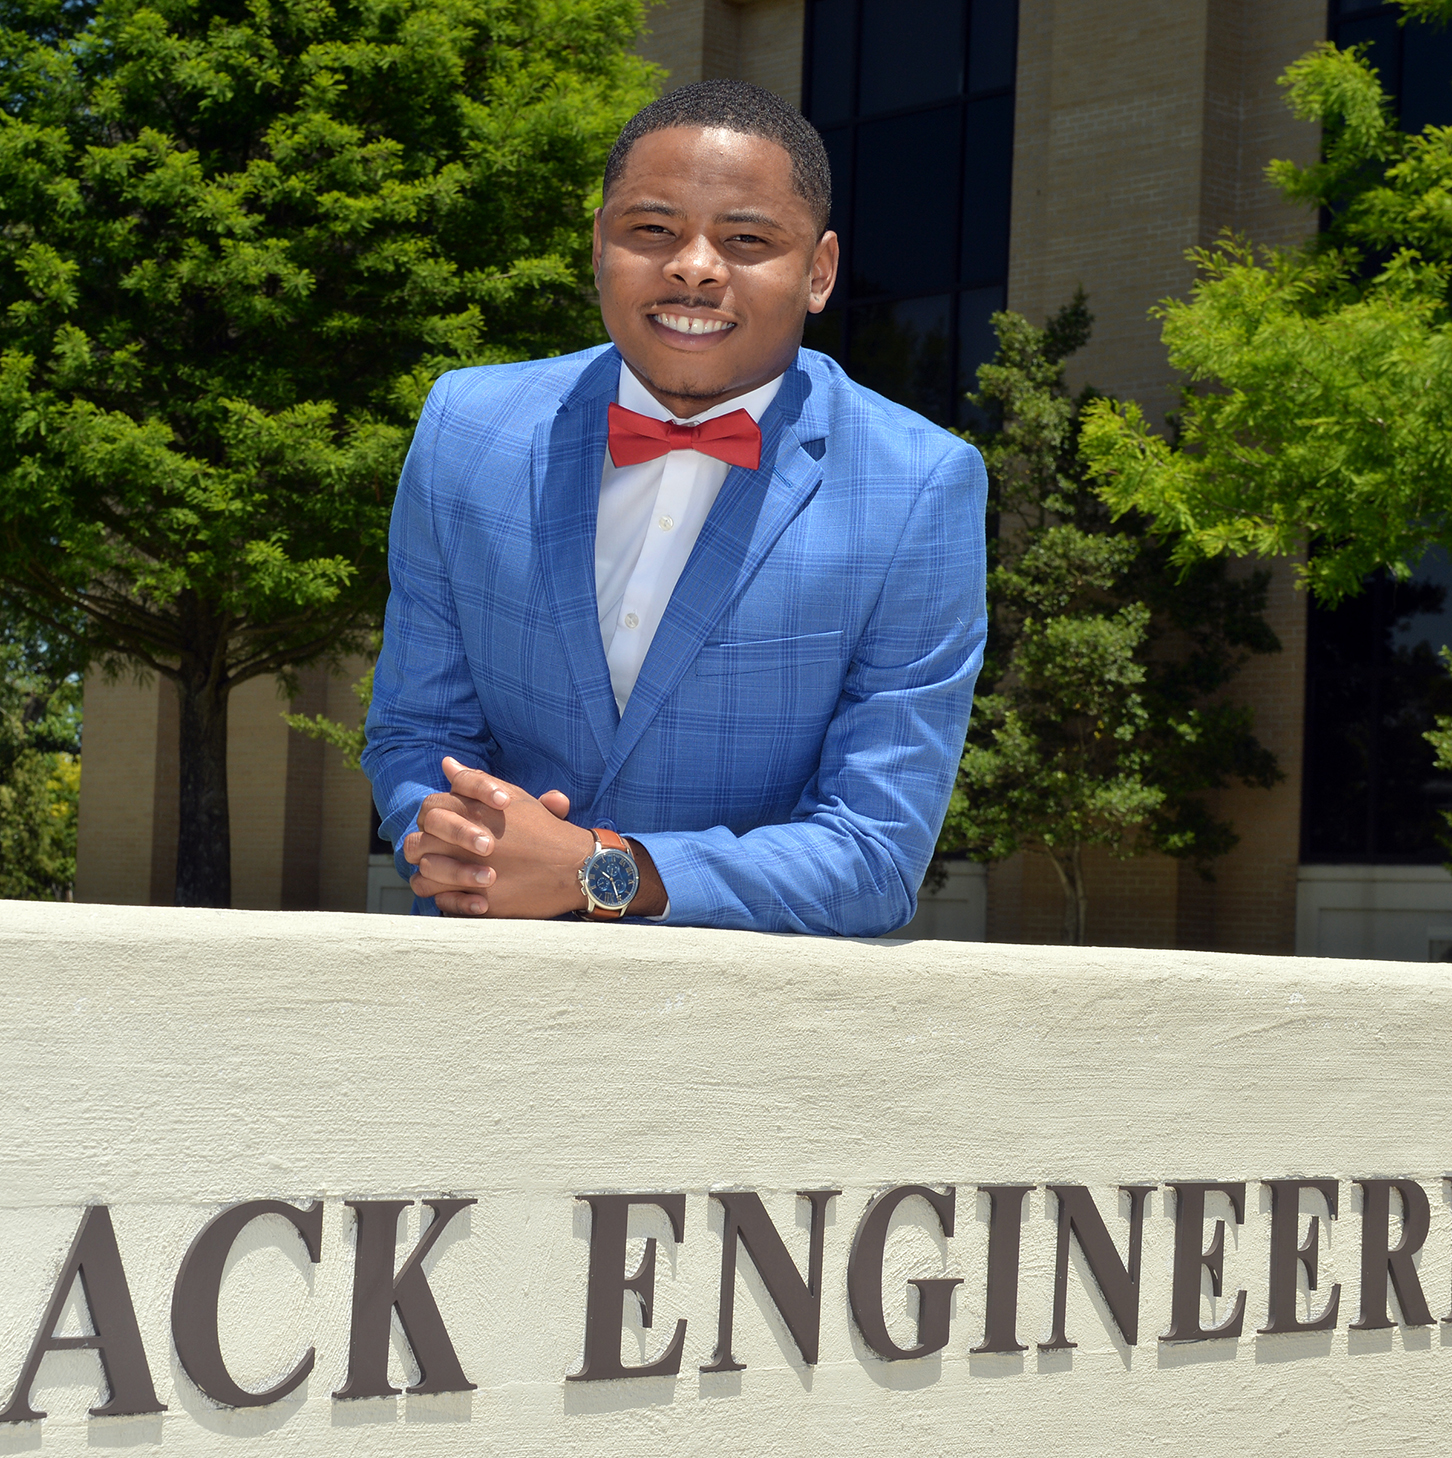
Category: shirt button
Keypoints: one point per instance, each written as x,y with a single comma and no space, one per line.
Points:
666,523
632,620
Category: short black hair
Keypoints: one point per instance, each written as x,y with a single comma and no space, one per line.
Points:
736,106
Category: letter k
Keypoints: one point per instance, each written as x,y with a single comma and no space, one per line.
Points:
376,1291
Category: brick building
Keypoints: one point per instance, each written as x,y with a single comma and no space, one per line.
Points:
1041,145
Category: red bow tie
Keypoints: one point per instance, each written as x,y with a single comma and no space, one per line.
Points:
733,438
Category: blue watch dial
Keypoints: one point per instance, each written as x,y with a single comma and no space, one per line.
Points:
612,879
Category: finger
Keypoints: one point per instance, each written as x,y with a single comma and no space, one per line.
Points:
475,783
462,875
449,900
450,828
557,803
422,886
459,804
453,903
431,845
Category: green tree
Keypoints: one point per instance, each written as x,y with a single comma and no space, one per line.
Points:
40,767
238,242
1100,721
1320,403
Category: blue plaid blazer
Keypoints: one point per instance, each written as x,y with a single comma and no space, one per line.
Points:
789,748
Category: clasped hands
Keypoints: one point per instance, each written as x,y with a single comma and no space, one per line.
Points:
489,848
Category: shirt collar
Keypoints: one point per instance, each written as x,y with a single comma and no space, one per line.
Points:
634,396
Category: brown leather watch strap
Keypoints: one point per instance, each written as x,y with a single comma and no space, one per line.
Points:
608,840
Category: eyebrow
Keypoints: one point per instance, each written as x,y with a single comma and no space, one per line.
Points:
665,210
649,205
761,220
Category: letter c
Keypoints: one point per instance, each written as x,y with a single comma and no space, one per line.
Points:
199,1285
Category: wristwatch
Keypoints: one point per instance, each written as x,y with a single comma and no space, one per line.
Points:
609,878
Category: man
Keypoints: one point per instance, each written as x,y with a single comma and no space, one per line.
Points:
685,627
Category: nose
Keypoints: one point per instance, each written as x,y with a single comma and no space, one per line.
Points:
697,264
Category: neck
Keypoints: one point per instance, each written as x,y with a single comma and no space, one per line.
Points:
683,407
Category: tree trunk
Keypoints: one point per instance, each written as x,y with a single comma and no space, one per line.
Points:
1076,896
204,838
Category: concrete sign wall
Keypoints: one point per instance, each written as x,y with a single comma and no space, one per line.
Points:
160,1069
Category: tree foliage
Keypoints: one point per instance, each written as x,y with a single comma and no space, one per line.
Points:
1099,721
1320,407
40,768
240,239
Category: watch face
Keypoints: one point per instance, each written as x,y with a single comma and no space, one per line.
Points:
611,878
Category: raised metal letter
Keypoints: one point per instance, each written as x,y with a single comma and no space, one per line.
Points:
199,1284
798,1301
1191,1259
376,1291
605,1293
1118,1281
864,1277
1286,1254
1377,1260
1005,1227
95,1258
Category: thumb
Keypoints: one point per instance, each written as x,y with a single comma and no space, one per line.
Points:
556,802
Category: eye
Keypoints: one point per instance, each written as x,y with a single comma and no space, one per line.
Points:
745,238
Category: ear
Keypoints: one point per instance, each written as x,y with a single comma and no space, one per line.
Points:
596,245
825,259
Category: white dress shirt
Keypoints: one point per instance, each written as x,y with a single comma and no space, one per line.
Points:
650,516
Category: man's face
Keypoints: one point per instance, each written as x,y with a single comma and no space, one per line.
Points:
708,262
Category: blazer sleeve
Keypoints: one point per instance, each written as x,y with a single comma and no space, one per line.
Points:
851,859
424,701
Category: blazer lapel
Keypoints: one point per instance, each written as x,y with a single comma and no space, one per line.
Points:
568,456
751,512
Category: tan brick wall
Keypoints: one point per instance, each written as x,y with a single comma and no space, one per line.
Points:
770,46
1255,885
674,38
697,40
257,792
346,807
166,796
1143,128
118,781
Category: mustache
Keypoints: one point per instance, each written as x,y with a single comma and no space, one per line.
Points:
684,301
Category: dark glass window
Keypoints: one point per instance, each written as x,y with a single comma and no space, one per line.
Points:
1374,684
913,52
1414,60
904,221
1374,680
914,99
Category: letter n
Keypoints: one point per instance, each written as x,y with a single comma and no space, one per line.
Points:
377,1291
798,1301
1118,1280
117,1340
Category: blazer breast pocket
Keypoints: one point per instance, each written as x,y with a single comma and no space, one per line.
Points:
768,655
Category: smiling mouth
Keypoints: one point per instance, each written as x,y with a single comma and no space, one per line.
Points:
682,324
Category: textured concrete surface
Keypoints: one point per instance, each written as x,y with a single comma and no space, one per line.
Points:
168,1063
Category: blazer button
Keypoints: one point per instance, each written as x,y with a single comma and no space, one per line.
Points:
607,824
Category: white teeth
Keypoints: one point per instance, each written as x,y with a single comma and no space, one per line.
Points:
683,325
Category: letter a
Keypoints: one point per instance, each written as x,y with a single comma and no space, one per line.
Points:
94,1257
